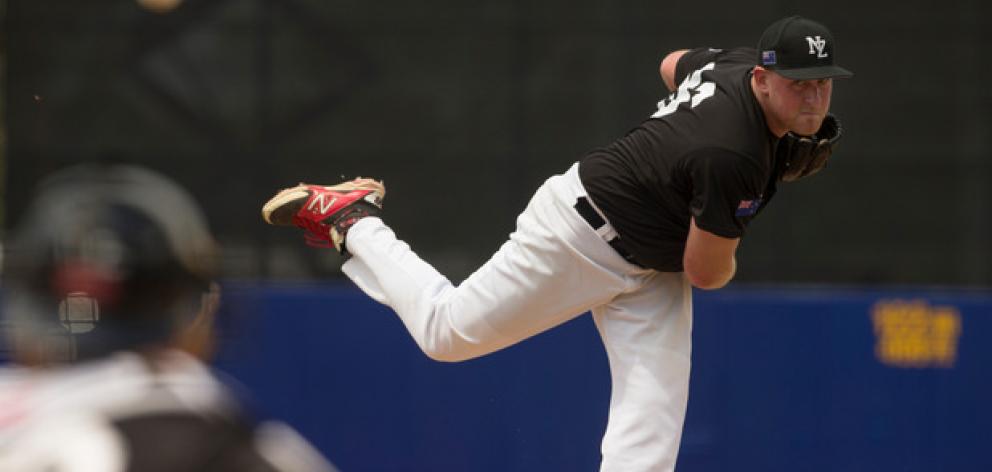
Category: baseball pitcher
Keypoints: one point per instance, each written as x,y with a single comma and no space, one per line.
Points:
625,233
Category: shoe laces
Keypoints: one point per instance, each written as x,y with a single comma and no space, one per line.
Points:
318,242
316,231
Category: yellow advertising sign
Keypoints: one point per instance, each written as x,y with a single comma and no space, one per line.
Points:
914,334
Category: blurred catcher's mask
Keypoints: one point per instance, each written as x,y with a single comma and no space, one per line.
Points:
107,258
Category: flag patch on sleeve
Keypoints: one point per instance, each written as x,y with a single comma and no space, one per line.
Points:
748,207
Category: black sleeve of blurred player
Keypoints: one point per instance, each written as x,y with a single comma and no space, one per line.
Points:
189,442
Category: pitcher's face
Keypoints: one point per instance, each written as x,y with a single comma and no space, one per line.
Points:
798,105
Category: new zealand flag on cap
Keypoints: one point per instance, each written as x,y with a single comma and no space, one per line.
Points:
768,58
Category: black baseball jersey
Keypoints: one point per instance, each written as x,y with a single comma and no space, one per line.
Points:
706,153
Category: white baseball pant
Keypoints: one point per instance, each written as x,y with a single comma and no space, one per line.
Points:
553,268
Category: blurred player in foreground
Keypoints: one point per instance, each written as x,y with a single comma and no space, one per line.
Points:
626,232
109,302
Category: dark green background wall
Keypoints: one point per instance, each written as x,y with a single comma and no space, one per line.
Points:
464,108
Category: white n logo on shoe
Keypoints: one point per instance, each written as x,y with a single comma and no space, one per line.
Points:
324,205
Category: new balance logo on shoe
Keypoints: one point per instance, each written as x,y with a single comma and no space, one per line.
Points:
320,199
325,212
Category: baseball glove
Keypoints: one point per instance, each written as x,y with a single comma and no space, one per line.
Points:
803,156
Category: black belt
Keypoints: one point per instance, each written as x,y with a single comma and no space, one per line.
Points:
588,213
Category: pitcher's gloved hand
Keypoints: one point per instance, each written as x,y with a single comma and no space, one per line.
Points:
803,156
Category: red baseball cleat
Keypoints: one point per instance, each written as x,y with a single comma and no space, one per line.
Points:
326,213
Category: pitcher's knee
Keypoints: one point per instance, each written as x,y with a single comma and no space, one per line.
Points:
445,352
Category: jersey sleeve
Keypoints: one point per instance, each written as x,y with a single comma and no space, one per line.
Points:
726,191
695,58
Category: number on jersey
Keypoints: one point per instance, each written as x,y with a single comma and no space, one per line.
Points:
692,90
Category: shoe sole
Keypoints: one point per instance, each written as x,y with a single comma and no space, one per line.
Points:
281,208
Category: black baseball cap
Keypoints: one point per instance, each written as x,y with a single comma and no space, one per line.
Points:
800,49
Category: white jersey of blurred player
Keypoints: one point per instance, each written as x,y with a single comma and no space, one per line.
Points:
105,416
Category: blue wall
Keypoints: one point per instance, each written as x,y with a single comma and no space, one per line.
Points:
783,380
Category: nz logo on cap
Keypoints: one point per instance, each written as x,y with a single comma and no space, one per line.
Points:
817,46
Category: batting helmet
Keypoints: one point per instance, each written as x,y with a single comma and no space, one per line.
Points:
108,257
